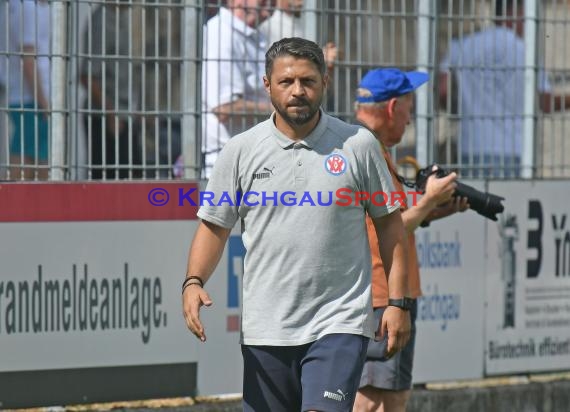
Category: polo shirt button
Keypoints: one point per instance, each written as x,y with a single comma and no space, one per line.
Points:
299,163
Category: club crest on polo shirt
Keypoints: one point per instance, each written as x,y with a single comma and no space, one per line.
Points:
336,164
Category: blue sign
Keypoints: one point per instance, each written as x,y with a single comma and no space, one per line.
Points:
236,254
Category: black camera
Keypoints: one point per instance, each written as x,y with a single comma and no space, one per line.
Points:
486,204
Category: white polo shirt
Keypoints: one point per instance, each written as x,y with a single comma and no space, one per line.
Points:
307,264
281,25
233,68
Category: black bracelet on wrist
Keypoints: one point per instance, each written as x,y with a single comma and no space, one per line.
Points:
190,283
189,278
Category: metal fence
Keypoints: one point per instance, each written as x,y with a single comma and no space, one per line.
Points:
144,89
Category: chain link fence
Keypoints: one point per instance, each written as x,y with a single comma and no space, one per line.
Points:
143,89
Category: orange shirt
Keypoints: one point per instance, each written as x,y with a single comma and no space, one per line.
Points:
379,279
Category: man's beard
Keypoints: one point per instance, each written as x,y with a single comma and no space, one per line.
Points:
299,119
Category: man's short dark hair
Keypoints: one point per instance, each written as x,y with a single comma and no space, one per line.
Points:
298,48
506,8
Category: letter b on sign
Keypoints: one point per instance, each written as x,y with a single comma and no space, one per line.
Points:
534,238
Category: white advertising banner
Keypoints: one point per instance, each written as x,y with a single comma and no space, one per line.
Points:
528,279
106,293
450,312
93,294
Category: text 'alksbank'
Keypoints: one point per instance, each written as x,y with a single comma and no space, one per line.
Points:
438,253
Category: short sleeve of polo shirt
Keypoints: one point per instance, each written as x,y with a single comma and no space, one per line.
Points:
218,205
376,178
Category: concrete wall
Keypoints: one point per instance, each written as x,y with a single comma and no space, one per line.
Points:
530,397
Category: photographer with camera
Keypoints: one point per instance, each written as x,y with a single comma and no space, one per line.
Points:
384,104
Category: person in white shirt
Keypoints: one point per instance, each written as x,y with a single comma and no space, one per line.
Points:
488,67
287,21
233,96
28,86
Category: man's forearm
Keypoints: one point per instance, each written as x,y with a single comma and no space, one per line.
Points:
393,252
443,89
206,250
32,78
249,107
241,110
94,90
398,274
415,215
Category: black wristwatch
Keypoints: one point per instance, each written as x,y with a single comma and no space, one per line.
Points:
403,303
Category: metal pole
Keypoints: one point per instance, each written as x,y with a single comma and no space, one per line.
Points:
58,87
424,134
74,157
530,73
191,90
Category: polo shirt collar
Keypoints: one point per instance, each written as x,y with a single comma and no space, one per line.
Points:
239,25
309,142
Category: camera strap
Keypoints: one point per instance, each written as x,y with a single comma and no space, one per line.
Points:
408,183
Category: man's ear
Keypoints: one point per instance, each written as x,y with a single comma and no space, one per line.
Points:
267,84
326,79
392,106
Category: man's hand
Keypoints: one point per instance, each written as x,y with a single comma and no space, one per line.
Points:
205,253
330,51
397,324
193,298
440,190
457,204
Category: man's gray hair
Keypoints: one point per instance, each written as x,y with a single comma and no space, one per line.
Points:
370,105
377,105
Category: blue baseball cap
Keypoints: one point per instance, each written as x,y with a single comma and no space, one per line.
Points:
379,85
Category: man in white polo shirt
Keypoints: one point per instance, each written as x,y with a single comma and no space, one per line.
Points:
233,97
307,311
485,72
